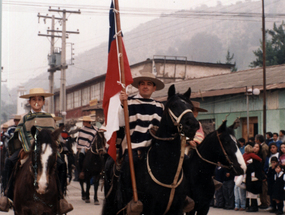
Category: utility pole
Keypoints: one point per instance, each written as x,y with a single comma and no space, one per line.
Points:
264,70
63,65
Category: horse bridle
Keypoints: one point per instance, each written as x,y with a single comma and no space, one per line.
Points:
175,183
230,166
176,121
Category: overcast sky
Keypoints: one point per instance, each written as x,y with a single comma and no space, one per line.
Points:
24,53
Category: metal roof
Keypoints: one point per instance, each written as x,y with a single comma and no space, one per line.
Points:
231,83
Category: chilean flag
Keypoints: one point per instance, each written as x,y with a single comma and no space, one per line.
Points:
111,100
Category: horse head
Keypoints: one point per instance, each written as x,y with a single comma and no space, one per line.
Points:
44,157
177,115
98,145
231,154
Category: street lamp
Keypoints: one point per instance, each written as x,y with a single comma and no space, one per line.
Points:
250,92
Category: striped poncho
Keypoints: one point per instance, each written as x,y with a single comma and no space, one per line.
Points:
86,136
23,131
143,114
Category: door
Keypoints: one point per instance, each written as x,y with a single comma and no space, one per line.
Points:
253,127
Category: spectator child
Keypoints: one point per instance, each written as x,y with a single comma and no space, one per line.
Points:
248,155
278,188
282,155
270,182
272,152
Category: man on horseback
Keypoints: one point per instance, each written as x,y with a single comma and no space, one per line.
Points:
144,113
86,136
22,140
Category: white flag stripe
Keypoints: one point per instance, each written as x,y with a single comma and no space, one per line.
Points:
113,116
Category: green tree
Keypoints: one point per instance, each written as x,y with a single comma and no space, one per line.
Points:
275,48
229,59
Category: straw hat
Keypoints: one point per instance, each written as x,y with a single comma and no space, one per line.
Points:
86,119
17,117
36,92
5,126
197,107
56,118
147,76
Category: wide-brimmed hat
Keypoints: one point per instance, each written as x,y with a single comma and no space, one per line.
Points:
197,107
56,118
17,117
36,92
5,126
147,76
86,119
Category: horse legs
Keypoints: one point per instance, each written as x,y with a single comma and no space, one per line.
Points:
96,185
83,194
70,160
87,194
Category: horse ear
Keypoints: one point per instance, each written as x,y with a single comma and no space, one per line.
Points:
33,130
222,127
187,94
236,124
171,91
56,133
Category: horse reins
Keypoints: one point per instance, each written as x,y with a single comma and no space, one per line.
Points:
175,183
225,153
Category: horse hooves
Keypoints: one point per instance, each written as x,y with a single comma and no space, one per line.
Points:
96,202
87,200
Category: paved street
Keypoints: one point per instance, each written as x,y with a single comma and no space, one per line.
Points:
80,207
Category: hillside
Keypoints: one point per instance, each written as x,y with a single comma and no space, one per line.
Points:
201,34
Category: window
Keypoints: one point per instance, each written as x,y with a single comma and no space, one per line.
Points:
95,91
69,101
85,96
102,90
77,99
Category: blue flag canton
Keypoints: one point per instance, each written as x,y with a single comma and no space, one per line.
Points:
112,25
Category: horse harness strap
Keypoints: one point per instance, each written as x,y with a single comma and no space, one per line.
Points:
176,120
152,133
175,182
216,164
225,153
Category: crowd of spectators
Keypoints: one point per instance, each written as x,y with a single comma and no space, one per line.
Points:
264,180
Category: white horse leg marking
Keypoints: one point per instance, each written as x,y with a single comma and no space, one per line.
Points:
43,180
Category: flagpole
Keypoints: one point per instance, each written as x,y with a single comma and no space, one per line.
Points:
125,103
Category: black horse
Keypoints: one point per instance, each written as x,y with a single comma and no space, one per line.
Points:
216,147
93,165
161,165
67,155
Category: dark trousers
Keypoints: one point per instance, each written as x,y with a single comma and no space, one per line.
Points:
219,196
8,168
228,191
280,206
